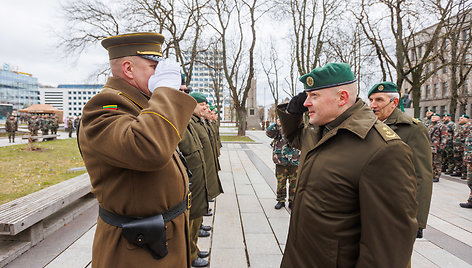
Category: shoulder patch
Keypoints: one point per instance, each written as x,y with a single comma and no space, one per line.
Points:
387,133
110,107
416,121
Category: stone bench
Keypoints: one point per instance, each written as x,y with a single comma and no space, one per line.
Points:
44,137
26,221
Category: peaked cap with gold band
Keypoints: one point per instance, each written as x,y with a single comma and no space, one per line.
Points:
146,45
330,75
383,87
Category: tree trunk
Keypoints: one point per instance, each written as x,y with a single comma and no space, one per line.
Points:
241,120
416,91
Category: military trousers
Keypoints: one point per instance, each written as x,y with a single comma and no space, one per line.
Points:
459,166
448,159
469,181
437,162
11,136
286,174
194,225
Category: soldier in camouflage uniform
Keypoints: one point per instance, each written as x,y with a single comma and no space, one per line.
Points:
54,124
286,161
11,126
468,163
33,125
459,140
438,138
45,124
427,119
448,154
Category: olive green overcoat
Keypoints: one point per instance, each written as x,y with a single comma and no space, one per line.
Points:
192,149
355,198
213,182
214,142
415,134
128,143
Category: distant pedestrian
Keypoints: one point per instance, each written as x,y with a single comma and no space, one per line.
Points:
286,159
70,126
438,139
11,126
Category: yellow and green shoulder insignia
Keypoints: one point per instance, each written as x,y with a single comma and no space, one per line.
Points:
416,121
110,107
387,133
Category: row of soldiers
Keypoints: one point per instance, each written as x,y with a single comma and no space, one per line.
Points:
200,147
45,123
451,145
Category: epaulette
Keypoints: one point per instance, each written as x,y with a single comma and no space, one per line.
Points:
416,121
387,133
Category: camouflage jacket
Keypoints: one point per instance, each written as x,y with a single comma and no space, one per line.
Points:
44,123
437,136
459,136
427,121
283,154
468,143
450,132
11,125
33,124
54,123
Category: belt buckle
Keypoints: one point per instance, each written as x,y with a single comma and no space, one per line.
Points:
189,200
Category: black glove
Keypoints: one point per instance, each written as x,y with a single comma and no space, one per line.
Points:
419,234
295,106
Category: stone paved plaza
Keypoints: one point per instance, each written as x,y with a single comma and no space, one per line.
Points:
249,232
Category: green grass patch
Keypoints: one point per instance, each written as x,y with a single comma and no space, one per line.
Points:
235,138
23,171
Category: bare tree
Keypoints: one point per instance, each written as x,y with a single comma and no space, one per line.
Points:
238,79
458,36
271,69
90,21
415,46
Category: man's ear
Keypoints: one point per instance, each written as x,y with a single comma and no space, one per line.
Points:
343,97
127,68
396,101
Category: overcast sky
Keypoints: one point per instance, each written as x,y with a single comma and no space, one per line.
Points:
29,44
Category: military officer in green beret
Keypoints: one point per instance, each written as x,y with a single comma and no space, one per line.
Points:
128,136
355,199
213,182
192,149
384,99
427,119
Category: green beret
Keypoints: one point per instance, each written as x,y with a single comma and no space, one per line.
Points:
212,107
435,114
429,110
199,97
146,45
446,115
330,75
464,115
383,88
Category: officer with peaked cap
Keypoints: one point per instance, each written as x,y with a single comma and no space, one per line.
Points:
355,199
128,137
384,99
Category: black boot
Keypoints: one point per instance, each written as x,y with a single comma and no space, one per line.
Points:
279,205
202,233
205,227
466,205
199,262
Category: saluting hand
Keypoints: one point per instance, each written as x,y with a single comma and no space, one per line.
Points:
295,106
167,74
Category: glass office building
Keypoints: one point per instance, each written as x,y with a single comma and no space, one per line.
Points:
18,88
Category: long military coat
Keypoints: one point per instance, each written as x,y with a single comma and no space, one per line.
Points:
213,182
355,199
192,149
415,134
129,146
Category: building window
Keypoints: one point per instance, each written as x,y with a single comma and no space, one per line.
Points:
251,111
435,90
444,70
427,92
443,110
444,88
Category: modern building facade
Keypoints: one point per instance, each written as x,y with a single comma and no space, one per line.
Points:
18,88
207,77
70,98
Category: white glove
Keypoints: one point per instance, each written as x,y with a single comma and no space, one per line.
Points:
167,74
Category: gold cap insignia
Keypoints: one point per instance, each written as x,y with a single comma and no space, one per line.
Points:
309,81
380,88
